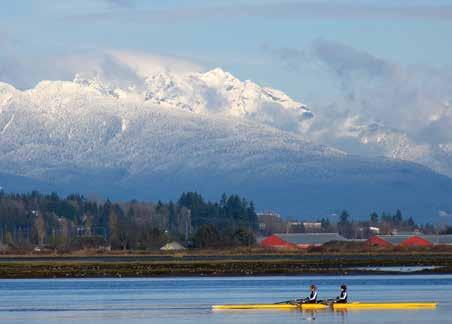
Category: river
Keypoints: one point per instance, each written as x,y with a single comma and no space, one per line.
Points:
189,300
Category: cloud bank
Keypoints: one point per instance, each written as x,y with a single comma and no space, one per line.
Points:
286,10
414,99
120,68
379,107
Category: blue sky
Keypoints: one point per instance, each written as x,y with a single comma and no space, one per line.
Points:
239,36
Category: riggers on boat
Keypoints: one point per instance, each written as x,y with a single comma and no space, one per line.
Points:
392,305
335,306
271,306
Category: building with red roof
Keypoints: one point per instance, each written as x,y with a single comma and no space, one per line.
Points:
275,242
409,240
415,241
299,240
377,241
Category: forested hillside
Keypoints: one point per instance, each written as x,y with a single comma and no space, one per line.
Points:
76,222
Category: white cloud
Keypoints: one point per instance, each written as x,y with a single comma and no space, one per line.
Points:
145,64
122,68
412,99
377,107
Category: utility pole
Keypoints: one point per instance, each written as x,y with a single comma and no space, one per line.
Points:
187,225
249,231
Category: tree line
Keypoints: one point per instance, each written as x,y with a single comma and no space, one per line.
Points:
34,219
37,220
344,224
385,223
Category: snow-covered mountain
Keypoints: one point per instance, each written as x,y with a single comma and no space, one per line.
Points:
376,139
196,131
214,92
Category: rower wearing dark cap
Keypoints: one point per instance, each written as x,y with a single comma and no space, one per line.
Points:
342,298
312,299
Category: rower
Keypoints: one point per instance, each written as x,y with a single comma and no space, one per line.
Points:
342,299
312,299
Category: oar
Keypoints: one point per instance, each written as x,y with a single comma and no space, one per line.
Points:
286,302
292,301
328,301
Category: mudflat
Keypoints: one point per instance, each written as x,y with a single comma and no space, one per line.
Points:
93,266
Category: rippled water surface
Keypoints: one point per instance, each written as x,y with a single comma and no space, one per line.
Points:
189,300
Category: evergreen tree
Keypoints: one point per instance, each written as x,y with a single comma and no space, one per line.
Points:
374,218
325,225
207,236
344,226
397,218
344,218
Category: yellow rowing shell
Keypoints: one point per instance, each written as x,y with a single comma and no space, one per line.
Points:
395,305
348,306
271,306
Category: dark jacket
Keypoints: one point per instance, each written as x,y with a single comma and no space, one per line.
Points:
343,297
312,297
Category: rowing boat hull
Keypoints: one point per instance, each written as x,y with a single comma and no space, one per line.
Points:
396,305
271,306
348,306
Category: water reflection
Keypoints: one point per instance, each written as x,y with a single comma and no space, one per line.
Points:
189,300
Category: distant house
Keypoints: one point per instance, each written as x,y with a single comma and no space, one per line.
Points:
300,240
173,246
3,247
270,222
294,227
312,227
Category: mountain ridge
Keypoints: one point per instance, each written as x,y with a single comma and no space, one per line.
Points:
93,137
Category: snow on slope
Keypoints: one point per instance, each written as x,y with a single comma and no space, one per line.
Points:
214,92
356,136
83,122
219,92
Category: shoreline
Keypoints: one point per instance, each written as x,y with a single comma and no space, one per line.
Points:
23,267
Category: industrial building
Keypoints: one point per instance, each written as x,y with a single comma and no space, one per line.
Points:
299,240
409,240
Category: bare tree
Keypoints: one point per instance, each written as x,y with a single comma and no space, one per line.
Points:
40,225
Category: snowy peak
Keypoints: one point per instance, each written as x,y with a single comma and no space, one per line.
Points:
7,92
96,85
215,92
219,92
219,78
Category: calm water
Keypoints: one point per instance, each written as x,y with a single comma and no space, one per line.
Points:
188,300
